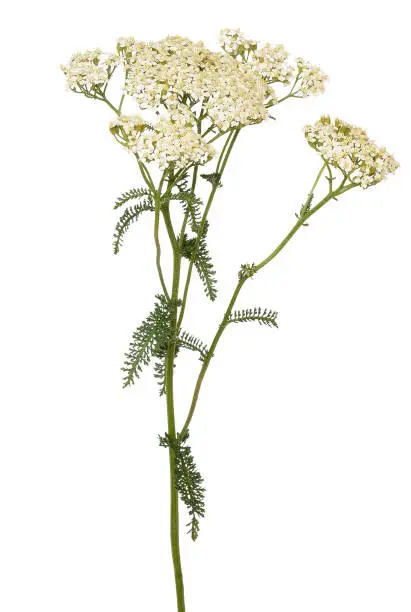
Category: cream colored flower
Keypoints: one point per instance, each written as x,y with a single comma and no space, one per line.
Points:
311,79
171,141
177,70
348,148
235,43
89,71
271,63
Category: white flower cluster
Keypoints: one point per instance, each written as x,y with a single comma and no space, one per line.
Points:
271,63
235,96
348,148
171,141
127,129
235,43
234,86
311,79
157,70
89,70
177,68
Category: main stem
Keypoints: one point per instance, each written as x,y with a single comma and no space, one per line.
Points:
169,385
169,375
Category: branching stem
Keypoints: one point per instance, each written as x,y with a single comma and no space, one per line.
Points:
221,164
242,280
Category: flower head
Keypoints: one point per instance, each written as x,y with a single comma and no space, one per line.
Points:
271,63
311,79
231,88
348,148
127,130
234,95
88,71
171,141
177,69
235,43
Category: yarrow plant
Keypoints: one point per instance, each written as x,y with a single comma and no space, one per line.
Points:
201,100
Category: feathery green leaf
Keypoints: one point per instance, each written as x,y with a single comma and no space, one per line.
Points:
133,194
189,482
160,374
262,316
129,216
150,339
192,343
214,178
191,205
202,262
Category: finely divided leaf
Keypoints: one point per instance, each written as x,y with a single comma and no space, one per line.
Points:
262,316
192,343
202,262
129,216
189,482
149,340
191,206
133,194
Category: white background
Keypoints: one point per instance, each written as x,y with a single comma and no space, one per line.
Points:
302,433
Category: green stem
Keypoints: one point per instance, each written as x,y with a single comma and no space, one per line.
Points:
157,242
104,99
169,384
243,278
221,164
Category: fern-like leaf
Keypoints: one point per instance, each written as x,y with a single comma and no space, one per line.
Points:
129,216
133,194
150,339
262,316
192,343
189,482
191,206
214,178
202,262
160,374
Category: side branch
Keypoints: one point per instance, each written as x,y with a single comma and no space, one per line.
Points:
246,273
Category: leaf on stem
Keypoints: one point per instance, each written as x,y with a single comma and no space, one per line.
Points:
202,262
150,339
188,480
262,316
133,194
191,206
190,342
214,178
129,216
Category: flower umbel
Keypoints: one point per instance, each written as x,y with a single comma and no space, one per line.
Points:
235,43
127,130
231,88
171,141
178,70
310,79
271,63
89,71
348,148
